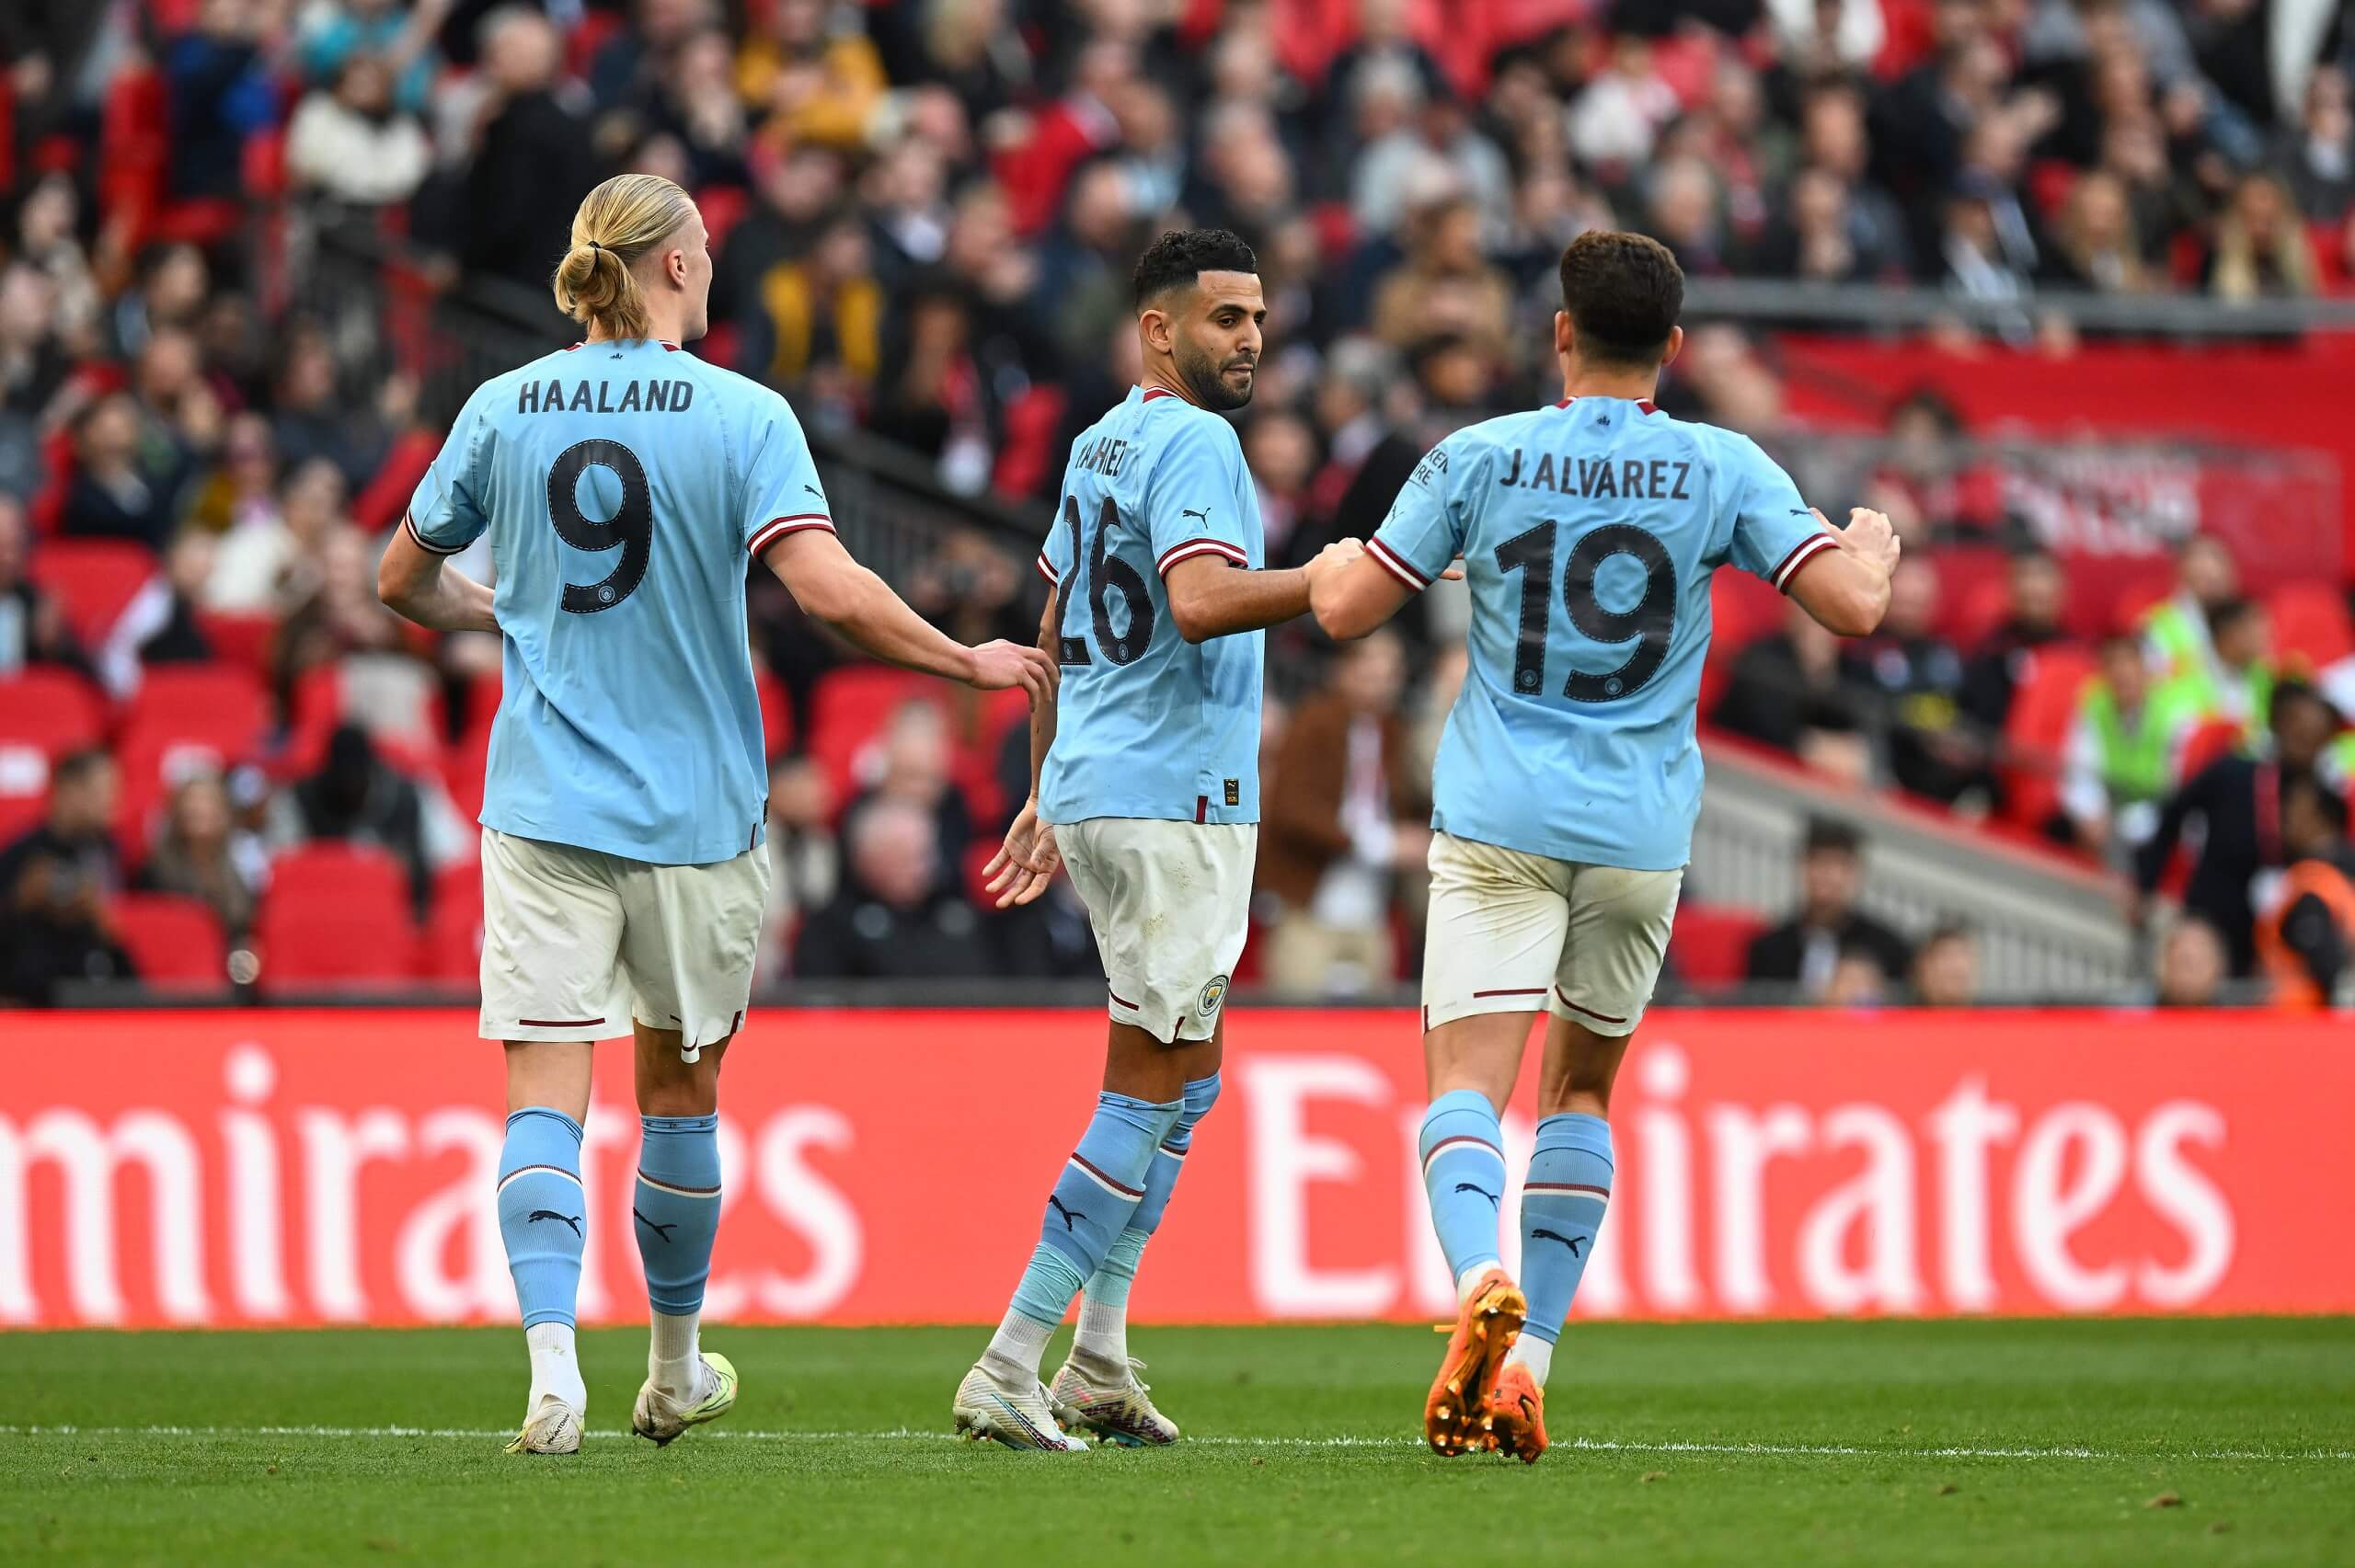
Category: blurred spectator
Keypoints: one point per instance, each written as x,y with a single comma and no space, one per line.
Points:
270,562
1280,453
823,313
1344,817
1946,970
2038,592
805,858
2096,246
2238,799
532,159
816,77
32,364
2318,156
78,832
1917,676
331,34
974,590
1786,692
2303,938
2124,749
2191,967
33,628
356,796
2175,631
200,852
160,623
1806,949
2237,684
342,615
56,933
220,93
1617,119
353,144
1857,981
892,920
312,417
114,494
2261,249
914,763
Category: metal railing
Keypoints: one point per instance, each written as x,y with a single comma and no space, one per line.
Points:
1773,302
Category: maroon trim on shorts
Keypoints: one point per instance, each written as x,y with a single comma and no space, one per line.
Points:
1517,991
558,1023
1590,1012
1202,810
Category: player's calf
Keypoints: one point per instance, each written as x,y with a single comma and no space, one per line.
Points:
544,1221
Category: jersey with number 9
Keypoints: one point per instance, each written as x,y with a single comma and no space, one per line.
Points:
622,485
1149,724
1589,531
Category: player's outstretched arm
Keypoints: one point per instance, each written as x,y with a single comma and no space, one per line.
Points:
1847,590
1211,598
415,582
860,607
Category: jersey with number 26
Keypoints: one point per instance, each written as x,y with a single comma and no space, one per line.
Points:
1149,724
622,485
1589,531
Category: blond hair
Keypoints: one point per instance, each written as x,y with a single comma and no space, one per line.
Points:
619,222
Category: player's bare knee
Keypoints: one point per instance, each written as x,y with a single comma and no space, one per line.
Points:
1579,1070
670,1086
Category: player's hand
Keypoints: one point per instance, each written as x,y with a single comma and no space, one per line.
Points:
1454,572
1026,863
1869,535
999,665
1339,555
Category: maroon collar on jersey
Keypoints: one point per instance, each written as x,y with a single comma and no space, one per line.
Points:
1643,404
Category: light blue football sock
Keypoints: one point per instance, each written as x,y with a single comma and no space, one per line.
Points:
542,1215
1463,1150
675,1209
1092,1203
1561,1215
1104,1311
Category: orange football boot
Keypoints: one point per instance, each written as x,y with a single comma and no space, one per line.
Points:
1517,1414
1455,1416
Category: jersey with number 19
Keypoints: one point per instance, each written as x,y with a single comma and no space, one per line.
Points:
622,485
1153,782
1567,779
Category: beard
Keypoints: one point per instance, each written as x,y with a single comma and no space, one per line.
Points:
1202,375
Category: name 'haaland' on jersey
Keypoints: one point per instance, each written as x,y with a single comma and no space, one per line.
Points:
599,397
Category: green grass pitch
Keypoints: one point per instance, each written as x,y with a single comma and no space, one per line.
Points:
2218,1441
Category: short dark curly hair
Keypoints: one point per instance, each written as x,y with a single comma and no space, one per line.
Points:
1180,256
1623,293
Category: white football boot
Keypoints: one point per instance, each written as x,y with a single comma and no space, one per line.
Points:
1015,1414
1119,1412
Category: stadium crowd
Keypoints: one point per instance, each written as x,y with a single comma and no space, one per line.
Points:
924,212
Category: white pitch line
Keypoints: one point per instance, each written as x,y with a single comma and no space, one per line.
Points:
1596,1445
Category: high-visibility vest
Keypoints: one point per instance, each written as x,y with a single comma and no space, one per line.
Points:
2292,985
2137,754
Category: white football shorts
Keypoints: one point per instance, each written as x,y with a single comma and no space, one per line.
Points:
1170,903
577,943
1511,931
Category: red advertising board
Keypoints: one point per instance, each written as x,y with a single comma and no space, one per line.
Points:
312,1167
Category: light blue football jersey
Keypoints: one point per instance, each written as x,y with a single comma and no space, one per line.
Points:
1589,531
1148,723
623,485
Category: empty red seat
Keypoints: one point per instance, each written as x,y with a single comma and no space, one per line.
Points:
453,930
1710,945
175,941
184,718
241,640
776,712
2035,732
44,713
93,579
2310,625
336,917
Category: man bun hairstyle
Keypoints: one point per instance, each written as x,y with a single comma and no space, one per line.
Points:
1180,256
618,223
1624,293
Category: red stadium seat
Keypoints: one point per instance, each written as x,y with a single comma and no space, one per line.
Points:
1710,945
851,707
2210,740
186,715
336,916
776,712
2044,705
44,713
242,640
453,929
2310,624
175,941
93,579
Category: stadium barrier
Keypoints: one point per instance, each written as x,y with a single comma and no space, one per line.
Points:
240,1169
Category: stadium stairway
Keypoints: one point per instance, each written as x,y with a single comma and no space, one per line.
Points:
2046,927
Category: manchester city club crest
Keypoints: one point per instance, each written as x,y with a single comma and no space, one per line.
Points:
1212,994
